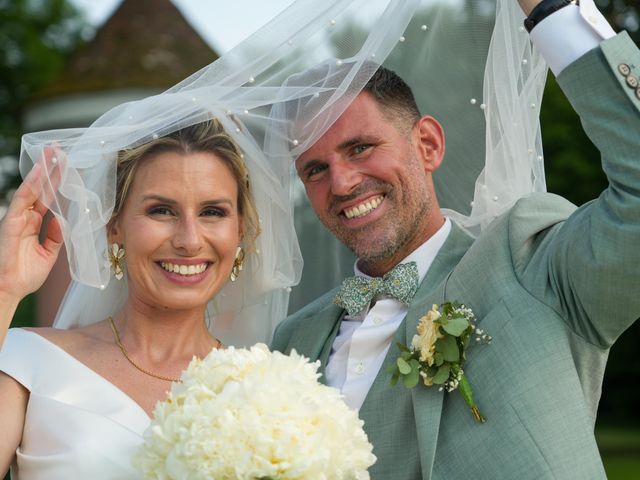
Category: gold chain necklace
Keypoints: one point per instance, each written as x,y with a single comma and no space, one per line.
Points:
143,370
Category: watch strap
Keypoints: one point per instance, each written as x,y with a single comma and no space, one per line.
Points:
543,10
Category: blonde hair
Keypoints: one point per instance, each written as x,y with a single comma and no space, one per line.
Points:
208,136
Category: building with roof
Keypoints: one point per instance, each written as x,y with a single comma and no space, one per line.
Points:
145,47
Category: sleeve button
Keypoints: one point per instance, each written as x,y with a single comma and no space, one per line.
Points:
624,69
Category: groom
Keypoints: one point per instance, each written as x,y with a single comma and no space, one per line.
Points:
554,285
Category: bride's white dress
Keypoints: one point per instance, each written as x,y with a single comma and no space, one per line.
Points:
77,425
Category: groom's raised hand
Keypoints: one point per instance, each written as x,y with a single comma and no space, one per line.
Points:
528,5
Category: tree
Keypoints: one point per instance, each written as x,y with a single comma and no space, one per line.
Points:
35,39
622,15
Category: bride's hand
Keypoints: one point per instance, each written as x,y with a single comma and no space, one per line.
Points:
25,263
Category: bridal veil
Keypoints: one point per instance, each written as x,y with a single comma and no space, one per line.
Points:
469,62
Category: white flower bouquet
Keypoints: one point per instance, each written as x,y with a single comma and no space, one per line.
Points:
254,414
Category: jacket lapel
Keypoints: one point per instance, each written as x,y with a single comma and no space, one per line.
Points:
427,401
316,338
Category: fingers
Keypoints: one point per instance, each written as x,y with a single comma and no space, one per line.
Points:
53,239
26,195
39,207
53,161
40,185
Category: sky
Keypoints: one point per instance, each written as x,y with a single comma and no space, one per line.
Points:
221,23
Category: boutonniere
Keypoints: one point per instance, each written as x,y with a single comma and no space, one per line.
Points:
438,351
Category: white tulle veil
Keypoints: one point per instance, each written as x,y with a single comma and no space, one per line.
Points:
469,63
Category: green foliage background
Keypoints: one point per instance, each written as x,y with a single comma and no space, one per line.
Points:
36,36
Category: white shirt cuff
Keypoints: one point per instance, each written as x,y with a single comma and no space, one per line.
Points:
569,33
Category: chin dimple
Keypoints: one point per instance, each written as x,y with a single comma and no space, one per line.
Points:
184,269
363,208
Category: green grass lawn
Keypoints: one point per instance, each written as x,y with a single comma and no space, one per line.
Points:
622,468
620,450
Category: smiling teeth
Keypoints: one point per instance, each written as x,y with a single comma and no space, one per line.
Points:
363,208
184,269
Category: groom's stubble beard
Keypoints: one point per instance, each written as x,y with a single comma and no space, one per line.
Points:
381,240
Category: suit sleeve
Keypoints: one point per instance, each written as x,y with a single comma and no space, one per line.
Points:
588,267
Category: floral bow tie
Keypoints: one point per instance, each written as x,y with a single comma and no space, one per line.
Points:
357,292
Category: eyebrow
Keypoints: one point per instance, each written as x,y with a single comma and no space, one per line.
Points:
342,146
309,164
170,201
351,142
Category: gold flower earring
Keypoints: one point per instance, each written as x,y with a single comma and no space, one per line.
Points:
116,255
237,264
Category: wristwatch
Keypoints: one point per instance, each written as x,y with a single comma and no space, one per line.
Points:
543,10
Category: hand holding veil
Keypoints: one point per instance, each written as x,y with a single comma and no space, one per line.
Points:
470,65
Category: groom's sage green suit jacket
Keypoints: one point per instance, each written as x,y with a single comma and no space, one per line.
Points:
553,285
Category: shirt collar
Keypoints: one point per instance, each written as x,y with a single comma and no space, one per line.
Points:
424,254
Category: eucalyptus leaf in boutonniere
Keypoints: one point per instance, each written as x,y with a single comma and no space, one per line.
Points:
438,351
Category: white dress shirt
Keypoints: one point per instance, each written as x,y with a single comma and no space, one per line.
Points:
364,339
569,33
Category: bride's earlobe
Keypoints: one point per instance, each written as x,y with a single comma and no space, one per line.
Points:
113,232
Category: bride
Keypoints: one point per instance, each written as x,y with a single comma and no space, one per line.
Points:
77,398
183,208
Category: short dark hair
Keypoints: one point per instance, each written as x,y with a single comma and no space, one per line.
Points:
394,96
390,92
